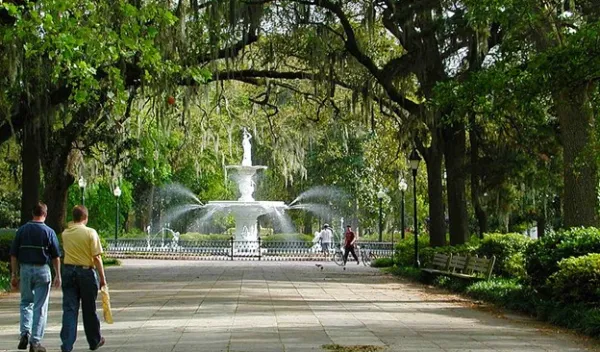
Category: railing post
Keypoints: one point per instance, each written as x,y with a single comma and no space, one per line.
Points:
259,249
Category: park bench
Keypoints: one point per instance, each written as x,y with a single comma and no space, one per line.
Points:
466,267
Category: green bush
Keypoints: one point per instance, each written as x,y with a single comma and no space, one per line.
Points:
508,249
454,284
405,249
4,276
110,261
516,295
405,271
577,280
542,256
6,239
507,293
382,263
579,317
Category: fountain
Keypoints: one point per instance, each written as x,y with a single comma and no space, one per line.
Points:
246,209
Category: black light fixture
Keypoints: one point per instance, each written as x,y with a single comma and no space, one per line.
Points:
402,186
414,160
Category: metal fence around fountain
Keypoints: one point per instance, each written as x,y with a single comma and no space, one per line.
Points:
228,249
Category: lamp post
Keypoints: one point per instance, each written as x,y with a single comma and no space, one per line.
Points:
403,187
82,183
117,193
414,159
380,196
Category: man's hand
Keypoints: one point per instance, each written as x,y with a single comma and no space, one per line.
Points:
102,282
57,282
14,282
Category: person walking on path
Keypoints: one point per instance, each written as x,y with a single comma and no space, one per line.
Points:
349,241
80,285
34,247
326,236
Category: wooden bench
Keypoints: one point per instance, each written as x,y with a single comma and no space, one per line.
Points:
440,264
466,267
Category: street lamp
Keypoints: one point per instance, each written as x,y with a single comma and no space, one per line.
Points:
117,193
82,183
380,196
403,187
415,159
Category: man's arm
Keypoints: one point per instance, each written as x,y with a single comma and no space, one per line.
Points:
100,269
55,253
14,277
57,277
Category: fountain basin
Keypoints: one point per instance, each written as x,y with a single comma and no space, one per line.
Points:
245,214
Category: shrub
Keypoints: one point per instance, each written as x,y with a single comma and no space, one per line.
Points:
110,261
577,280
507,293
454,284
4,276
405,271
6,239
382,263
542,256
508,249
405,249
579,317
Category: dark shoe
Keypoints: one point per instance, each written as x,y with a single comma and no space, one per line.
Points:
23,341
100,344
36,347
357,262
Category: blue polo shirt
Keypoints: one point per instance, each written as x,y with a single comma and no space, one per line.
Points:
35,243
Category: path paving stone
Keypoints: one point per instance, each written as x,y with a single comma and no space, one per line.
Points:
244,306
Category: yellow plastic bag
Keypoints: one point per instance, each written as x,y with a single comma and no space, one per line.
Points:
106,305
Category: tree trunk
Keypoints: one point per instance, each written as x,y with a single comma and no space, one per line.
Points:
57,180
541,225
455,155
433,161
30,160
580,172
143,206
308,219
480,213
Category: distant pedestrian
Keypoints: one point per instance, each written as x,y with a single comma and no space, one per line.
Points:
83,253
326,237
349,242
34,247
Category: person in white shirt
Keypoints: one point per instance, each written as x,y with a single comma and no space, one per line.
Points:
326,236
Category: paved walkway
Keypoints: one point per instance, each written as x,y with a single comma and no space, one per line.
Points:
285,306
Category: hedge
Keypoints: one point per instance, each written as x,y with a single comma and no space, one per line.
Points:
516,295
577,280
542,256
382,263
508,249
6,240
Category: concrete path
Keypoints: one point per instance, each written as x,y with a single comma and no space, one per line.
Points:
286,306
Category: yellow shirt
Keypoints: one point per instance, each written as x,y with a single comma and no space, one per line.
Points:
81,244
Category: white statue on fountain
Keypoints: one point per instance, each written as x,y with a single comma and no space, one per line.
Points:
247,158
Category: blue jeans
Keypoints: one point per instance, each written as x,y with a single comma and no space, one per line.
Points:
35,290
79,285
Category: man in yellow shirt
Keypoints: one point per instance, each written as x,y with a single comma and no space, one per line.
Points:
80,284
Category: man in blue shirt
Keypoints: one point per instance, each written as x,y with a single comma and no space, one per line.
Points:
34,247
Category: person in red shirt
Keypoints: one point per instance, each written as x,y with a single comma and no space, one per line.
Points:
349,241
